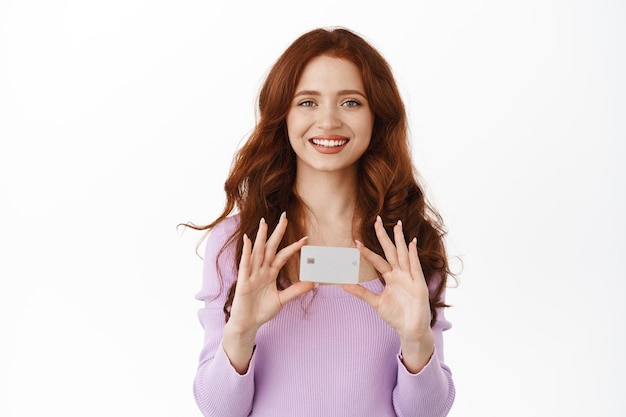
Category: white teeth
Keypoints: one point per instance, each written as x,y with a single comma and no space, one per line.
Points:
329,143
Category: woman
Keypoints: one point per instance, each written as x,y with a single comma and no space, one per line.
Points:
328,164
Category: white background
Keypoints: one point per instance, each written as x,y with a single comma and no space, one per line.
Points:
119,119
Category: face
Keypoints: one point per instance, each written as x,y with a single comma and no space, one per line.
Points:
329,122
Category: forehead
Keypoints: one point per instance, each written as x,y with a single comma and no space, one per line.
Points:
326,72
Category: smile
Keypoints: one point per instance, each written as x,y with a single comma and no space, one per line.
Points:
329,143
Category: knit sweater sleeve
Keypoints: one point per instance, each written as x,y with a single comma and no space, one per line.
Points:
430,392
218,389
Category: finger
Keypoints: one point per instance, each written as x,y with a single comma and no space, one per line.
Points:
276,237
244,263
388,247
416,266
287,252
295,290
401,248
378,262
362,293
258,250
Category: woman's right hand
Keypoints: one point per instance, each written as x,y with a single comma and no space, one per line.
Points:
257,299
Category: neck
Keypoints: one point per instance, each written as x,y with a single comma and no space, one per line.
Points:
330,201
328,196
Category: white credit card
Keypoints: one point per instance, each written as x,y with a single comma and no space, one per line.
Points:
329,265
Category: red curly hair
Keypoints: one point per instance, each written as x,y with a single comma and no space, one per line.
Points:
262,178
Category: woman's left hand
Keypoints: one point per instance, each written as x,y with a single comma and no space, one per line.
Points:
404,303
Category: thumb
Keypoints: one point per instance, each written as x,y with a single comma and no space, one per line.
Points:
362,293
294,290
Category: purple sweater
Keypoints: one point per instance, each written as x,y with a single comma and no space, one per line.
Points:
325,354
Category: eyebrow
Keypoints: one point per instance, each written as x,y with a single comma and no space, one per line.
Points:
339,93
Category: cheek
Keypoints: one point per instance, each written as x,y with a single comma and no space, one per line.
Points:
292,135
365,124
289,138
294,126
366,129
290,129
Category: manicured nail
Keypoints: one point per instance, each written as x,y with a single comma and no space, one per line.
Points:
262,220
283,215
245,236
378,219
399,223
414,240
304,238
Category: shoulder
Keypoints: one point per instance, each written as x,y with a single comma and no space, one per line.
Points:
224,230
220,269
221,237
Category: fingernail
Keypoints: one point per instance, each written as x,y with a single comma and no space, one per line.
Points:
245,236
414,240
304,238
378,219
358,242
399,223
262,220
283,215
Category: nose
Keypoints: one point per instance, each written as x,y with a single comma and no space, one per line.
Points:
329,118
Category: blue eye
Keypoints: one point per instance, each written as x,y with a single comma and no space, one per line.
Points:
351,103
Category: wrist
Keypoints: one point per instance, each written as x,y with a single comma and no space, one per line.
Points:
417,351
239,333
238,344
426,336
